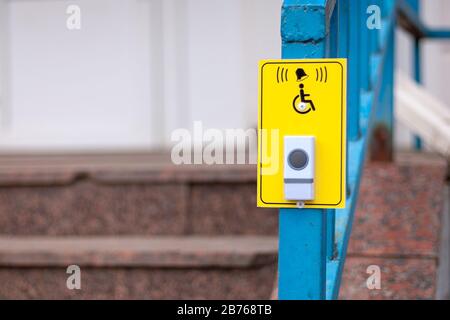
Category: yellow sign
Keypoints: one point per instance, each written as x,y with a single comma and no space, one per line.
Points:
302,98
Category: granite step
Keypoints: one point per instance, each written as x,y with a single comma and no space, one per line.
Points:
240,267
137,194
397,227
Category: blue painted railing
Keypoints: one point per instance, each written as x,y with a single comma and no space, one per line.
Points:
313,243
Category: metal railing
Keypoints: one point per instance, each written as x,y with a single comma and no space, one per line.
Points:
313,242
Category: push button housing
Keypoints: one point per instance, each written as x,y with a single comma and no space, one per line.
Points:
299,158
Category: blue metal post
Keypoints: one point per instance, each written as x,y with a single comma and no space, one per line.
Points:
364,65
414,4
388,88
302,254
418,77
353,71
303,233
331,236
344,35
342,13
374,43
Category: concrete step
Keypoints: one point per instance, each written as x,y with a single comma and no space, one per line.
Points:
138,268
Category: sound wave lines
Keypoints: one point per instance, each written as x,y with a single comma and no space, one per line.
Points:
282,75
322,74
302,75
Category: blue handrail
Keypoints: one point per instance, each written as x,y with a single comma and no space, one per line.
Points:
313,243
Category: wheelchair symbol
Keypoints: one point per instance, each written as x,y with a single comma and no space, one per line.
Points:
301,104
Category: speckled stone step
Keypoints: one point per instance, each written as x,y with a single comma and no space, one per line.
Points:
136,194
138,268
397,227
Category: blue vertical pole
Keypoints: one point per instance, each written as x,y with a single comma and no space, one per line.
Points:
330,236
389,83
337,41
343,8
303,233
382,132
374,42
302,254
364,45
414,4
418,77
348,33
417,61
354,66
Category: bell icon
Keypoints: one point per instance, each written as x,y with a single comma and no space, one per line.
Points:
301,74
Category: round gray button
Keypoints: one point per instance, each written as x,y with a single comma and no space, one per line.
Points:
298,159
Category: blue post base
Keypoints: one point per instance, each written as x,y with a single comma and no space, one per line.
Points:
302,254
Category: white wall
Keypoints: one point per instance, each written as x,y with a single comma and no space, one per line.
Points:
437,52
83,88
435,60
135,71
